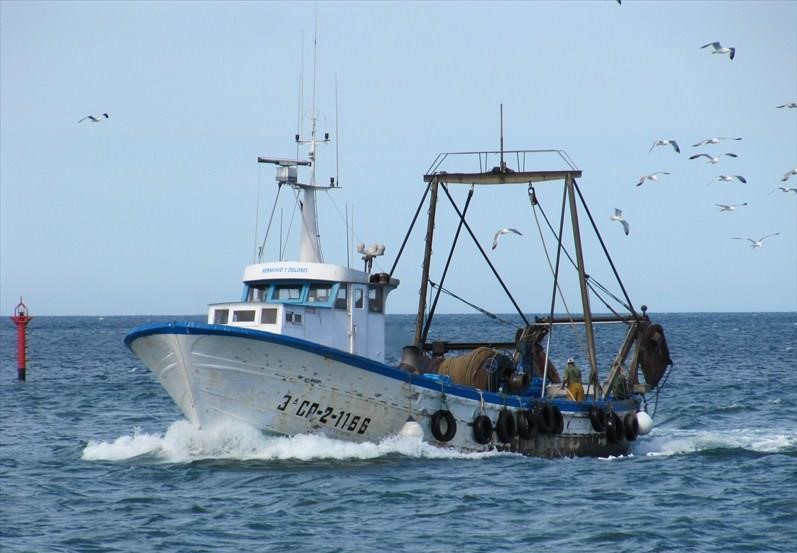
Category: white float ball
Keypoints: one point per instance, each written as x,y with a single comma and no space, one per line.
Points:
645,422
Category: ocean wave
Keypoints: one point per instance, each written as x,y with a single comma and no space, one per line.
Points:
680,441
184,443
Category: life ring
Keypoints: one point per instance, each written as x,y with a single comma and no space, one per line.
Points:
544,416
558,420
444,426
526,424
614,428
631,426
482,429
597,416
505,427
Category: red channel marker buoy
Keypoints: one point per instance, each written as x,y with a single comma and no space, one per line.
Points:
21,318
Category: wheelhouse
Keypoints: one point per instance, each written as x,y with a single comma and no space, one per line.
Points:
327,304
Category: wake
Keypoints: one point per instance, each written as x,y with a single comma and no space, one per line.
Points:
679,441
186,443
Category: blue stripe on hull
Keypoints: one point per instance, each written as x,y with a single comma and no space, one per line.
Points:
360,362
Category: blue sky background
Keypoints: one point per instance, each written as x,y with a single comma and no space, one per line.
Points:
154,211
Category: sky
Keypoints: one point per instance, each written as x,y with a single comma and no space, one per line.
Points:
158,209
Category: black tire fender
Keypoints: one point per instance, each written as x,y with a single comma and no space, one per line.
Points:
482,429
526,424
444,425
614,429
505,427
597,416
558,420
544,416
631,426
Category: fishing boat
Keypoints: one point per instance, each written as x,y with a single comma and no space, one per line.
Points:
303,351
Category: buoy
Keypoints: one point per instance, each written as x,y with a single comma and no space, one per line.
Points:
645,423
411,429
21,319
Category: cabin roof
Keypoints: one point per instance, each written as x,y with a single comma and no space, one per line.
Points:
295,270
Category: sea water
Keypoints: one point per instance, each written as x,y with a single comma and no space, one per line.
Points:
95,457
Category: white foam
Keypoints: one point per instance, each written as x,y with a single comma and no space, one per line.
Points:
676,441
184,442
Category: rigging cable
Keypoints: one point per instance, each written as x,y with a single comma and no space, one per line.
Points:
487,259
476,307
270,219
296,204
255,253
590,280
559,249
448,264
409,230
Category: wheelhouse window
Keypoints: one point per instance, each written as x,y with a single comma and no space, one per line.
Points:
319,293
220,316
340,298
243,316
257,294
358,298
287,293
375,299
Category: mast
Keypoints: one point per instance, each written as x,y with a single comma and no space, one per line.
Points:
427,257
310,239
582,282
310,244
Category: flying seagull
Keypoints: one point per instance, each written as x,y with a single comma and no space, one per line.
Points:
756,243
786,189
618,216
95,118
504,231
729,178
729,207
711,159
788,175
720,49
652,176
789,105
714,140
662,142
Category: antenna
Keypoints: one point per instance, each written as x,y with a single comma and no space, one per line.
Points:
301,96
337,135
503,166
348,239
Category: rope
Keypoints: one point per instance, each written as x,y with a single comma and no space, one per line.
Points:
658,389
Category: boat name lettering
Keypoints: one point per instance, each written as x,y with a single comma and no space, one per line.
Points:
284,270
329,416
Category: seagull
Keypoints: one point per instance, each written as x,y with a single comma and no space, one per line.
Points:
720,49
788,175
789,105
711,159
95,118
729,178
786,189
714,140
652,176
504,231
731,207
669,142
618,216
756,243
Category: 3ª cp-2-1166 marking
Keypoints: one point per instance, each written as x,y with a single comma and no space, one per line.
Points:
341,419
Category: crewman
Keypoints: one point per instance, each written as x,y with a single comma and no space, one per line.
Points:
573,381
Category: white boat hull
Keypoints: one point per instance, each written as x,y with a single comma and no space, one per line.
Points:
289,386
